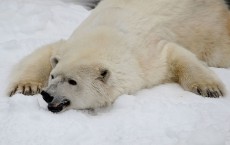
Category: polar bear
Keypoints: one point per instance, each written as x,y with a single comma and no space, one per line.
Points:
128,45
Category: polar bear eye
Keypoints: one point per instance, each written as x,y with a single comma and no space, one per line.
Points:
52,77
72,82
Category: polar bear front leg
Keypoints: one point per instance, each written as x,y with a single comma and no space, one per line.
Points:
191,73
31,74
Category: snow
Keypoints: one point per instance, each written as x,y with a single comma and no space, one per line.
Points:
163,115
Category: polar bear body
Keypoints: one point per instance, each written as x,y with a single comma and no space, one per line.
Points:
127,45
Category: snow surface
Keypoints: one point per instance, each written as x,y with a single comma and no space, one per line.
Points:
163,115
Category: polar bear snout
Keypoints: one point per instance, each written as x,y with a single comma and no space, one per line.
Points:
46,96
55,104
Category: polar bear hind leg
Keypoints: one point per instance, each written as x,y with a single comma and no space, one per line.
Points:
192,74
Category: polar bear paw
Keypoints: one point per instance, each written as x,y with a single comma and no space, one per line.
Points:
26,88
208,89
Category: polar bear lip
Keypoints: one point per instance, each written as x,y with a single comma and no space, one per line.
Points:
65,102
55,109
58,108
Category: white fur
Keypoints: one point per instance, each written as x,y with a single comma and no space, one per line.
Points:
141,44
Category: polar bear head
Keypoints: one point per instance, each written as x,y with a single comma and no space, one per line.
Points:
77,86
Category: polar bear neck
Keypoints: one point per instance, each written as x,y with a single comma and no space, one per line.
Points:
101,44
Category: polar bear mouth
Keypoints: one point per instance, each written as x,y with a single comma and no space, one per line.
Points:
55,108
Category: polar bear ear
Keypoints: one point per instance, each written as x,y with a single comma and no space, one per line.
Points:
54,61
104,75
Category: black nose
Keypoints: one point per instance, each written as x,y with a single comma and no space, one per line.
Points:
46,97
